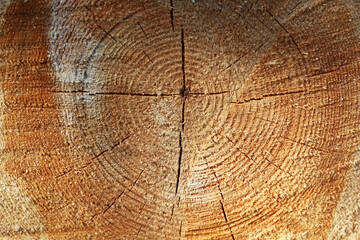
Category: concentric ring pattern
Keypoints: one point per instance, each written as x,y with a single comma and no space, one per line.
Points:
185,119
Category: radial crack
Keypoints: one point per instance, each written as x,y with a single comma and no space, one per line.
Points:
70,91
184,90
234,62
278,167
179,164
227,221
270,95
119,196
114,146
180,147
172,14
137,234
95,157
304,144
242,175
101,28
241,151
288,33
216,178
209,93
183,117
184,93
251,7
135,94
180,229
72,169
143,31
119,93
267,120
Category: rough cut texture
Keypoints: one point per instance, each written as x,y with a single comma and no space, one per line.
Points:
178,119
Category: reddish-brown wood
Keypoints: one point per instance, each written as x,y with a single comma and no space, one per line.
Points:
178,119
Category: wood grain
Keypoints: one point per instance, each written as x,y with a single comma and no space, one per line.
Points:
177,119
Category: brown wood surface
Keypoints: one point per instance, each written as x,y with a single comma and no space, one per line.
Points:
169,119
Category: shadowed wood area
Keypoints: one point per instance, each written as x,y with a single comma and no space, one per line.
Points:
175,119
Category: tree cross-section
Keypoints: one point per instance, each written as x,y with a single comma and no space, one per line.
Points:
177,119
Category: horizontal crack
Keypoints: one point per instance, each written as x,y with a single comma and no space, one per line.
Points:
183,93
271,95
210,93
118,93
307,92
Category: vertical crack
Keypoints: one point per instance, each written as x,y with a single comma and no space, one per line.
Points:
179,163
227,221
180,229
172,14
184,91
183,117
184,94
